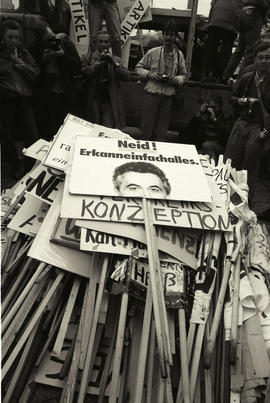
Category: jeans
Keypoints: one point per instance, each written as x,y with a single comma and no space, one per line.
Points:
250,26
97,11
217,35
156,116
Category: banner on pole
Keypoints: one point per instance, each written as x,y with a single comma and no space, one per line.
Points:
132,18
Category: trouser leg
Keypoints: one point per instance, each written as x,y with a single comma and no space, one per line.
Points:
163,118
113,23
149,116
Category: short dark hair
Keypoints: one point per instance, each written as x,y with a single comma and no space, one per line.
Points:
40,30
170,26
9,24
262,44
141,167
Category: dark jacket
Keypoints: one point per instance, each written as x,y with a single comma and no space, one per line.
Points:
242,88
17,77
68,66
115,75
225,14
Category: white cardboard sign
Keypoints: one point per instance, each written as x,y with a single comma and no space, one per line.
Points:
182,246
38,149
132,18
60,152
29,217
134,168
67,259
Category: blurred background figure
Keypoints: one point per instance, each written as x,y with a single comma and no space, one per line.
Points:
18,71
103,73
253,16
209,128
222,32
55,91
107,10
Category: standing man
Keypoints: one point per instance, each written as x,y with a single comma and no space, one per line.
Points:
164,69
249,138
252,18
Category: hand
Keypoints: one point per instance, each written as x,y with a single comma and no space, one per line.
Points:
204,108
14,56
242,101
153,76
59,52
211,113
99,65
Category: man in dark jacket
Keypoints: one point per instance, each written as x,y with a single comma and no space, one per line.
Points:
250,135
103,72
55,92
253,16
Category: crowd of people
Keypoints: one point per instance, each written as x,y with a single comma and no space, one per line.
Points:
40,85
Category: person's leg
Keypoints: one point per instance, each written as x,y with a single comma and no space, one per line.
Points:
228,38
235,149
163,118
252,158
95,17
113,23
209,51
149,116
106,114
253,23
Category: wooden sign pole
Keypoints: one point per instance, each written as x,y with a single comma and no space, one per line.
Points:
235,309
85,374
144,344
154,270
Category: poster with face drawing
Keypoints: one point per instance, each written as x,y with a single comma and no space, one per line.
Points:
133,168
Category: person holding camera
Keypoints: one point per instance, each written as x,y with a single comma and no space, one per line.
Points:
55,92
163,68
103,73
209,128
249,141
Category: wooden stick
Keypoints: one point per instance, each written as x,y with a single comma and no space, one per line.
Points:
151,358
143,347
207,372
196,359
219,307
118,349
66,318
12,291
25,248
183,355
70,385
22,297
235,309
20,317
21,363
10,238
31,325
91,297
85,374
154,274
108,361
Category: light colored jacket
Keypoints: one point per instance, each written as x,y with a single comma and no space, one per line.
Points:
153,61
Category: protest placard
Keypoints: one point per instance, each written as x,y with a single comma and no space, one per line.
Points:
132,18
60,152
46,183
125,5
37,150
6,199
195,215
177,243
79,28
66,233
29,217
134,168
42,249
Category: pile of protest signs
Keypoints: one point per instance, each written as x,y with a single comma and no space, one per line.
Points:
132,271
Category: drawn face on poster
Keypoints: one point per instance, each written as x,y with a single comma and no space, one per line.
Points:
133,168
141,179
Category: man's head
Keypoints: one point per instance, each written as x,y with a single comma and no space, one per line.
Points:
103,41
262,55
170,33
141,179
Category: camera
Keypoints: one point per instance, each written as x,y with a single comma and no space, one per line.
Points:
105,56
165,77
54,44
